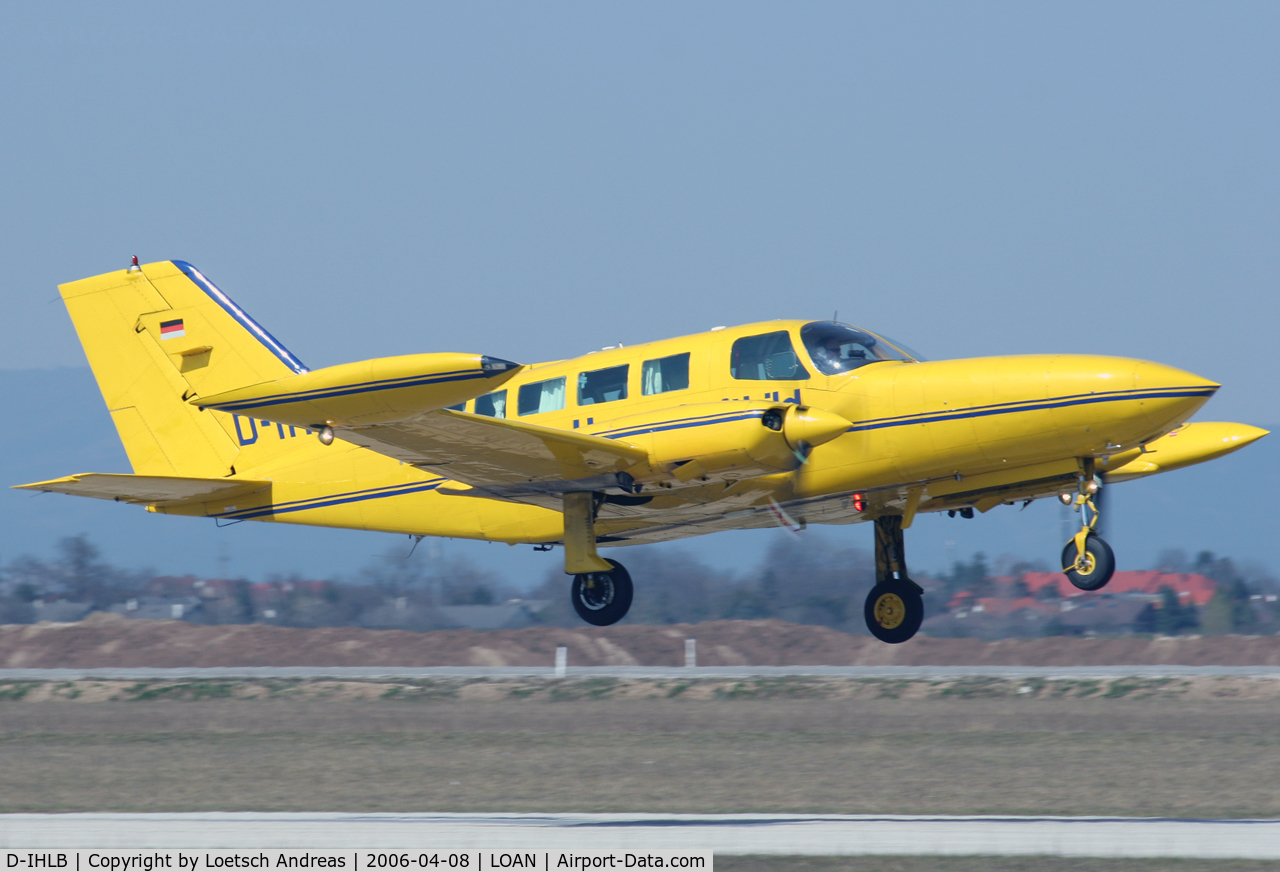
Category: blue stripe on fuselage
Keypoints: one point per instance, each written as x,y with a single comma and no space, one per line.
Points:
1027,406
932,417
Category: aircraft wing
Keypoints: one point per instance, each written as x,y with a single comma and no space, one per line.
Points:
499,457
146,488
396,407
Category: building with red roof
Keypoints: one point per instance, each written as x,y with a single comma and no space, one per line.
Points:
999,606
1190,587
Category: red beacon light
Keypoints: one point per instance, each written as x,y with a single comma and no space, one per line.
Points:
859,504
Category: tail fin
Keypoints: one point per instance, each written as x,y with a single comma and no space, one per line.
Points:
157,336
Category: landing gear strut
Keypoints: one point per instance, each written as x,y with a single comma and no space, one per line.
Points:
601,593
1087,560
895,607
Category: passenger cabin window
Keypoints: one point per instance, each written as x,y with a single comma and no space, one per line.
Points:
492,405
461,407
603,385
543,396
767,357
665,374
835,348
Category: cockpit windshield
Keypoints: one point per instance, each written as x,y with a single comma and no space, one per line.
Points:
836,348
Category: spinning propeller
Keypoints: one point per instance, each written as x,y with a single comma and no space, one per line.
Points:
804,428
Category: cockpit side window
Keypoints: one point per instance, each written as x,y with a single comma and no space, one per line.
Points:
835,348
492,405
767,357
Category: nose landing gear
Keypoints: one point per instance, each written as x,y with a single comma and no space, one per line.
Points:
1092,567
895,607
1087,560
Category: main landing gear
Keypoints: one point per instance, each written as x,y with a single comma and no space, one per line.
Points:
601,592
895,607
1087,560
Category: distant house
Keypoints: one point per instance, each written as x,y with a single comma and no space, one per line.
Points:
1190,587
267,594
1106,616
158,608
59,611
992,618
1000,607
402,613
1048,602
512,615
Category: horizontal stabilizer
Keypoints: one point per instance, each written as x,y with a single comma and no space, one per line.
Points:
369,392
146,488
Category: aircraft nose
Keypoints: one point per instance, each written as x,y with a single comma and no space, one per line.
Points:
1158,376
1123,402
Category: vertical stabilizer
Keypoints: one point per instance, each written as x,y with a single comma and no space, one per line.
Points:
158,335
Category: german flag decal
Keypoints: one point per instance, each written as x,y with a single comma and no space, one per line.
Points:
172,329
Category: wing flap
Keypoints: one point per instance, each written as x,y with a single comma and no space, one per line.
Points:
146,488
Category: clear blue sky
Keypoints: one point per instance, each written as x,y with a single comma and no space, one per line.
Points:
537,180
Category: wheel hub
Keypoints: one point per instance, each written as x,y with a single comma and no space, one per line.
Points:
890,611
597,591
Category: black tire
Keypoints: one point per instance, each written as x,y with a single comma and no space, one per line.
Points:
894,611
602,598
1101,560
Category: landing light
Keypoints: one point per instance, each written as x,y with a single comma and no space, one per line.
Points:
326,435
1066,499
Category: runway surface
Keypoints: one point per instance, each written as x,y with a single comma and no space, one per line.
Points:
655,672
830,835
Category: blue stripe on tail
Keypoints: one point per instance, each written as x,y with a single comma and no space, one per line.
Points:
272,344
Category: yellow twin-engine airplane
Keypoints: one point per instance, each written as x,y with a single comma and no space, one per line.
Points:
782,422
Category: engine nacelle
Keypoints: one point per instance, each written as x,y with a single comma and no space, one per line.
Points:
728,440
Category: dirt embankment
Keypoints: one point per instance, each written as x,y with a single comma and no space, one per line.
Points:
104,640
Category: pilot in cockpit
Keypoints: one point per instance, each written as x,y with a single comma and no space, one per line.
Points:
837,348
839,353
